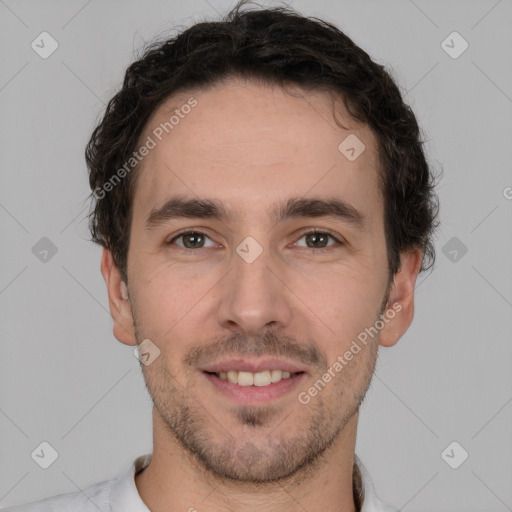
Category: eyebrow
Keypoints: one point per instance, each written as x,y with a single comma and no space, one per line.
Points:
295,207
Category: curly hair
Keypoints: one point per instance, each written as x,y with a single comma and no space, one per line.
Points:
275,46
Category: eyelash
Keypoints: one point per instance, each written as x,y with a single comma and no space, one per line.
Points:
305,233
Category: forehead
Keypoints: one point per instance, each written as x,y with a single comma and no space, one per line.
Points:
251,145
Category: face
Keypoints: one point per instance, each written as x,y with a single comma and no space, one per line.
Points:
282,269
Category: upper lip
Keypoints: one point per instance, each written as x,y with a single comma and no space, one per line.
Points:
252,365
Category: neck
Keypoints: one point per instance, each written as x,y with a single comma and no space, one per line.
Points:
176,481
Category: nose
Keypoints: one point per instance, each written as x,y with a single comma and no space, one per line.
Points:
254,296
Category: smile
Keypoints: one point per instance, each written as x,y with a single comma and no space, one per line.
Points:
263,378
247,388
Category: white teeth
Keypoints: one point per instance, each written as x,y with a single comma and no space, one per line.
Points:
276,375
260,378
263,378
245,379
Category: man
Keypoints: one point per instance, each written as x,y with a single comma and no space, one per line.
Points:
265,207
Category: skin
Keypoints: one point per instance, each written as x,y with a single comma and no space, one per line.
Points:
251,146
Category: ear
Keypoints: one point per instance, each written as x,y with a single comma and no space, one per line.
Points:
118,300
401,299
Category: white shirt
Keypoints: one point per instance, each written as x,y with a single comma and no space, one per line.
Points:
121,495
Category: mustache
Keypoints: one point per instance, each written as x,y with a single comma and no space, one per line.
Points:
266,344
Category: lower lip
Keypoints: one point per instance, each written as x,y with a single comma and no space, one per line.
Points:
248,395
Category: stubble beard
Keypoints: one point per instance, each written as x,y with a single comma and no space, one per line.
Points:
262,450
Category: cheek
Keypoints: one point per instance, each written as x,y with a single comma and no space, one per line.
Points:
162,300
171,301
345,302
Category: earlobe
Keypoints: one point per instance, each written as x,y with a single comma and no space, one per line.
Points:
118,298
400,308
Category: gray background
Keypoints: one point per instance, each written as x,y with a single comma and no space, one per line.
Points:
66,380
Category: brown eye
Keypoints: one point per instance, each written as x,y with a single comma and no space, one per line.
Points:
318,240
190,240
315,240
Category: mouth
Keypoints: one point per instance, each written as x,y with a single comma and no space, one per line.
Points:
247,383
260,379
